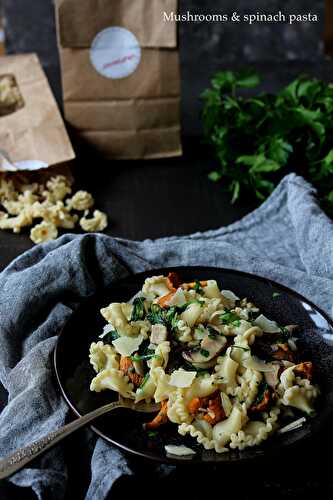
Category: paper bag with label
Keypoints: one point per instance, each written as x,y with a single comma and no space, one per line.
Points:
121,76
32,132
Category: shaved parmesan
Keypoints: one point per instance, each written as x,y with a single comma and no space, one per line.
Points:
266,324
107,329
293,425
255,363
127,345
182,378
179,451
178,299
226,404
228,294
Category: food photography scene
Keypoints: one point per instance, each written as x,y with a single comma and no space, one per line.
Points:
166,249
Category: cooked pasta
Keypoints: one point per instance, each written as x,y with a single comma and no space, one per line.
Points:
224,373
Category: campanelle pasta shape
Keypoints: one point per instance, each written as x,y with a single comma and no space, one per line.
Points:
103,356
113,380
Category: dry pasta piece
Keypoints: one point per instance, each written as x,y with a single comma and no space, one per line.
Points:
30,201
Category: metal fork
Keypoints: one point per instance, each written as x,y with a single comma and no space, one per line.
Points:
21,457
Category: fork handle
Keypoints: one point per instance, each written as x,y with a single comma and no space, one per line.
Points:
21,457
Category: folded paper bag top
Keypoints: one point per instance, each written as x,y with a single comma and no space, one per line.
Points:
121,75
32,132
78,28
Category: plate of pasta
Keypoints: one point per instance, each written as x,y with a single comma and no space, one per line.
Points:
241,366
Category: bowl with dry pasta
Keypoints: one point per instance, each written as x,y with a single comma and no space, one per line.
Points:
241,366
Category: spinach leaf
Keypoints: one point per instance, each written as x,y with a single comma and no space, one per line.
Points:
110,336
168,316
156,315
164,316
230,318
263,387
138,312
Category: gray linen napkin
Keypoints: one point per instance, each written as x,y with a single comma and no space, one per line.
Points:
288,239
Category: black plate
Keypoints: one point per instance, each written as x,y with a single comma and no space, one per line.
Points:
123,428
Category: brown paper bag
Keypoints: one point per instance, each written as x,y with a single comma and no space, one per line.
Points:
121,76
31,128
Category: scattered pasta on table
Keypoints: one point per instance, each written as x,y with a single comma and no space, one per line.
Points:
47,207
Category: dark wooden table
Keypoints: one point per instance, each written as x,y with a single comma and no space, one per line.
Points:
148,199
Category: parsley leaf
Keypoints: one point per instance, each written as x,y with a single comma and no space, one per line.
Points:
230,318
198,288
258,139
144,381
144,357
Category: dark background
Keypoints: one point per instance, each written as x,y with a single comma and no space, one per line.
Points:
278,51
149,199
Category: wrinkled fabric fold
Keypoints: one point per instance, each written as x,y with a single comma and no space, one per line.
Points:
287,239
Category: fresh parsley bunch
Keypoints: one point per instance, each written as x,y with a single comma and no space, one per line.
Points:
258,140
